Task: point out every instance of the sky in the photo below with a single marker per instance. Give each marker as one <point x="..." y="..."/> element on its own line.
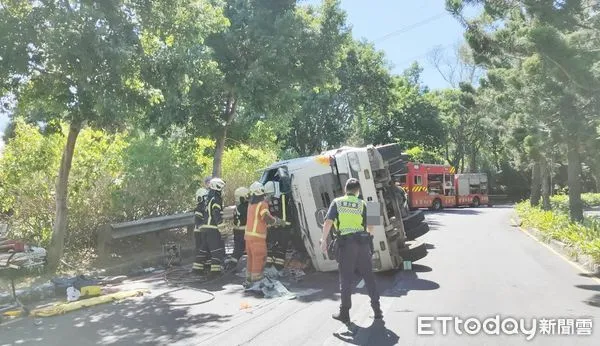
<point x="406" y="30"/>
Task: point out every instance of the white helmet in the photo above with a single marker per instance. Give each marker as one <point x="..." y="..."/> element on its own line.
<point x="241" y="192"/>
<point x="201" y="192"/>
<point x="216" y="184"/>
<point x="257" y="189"/>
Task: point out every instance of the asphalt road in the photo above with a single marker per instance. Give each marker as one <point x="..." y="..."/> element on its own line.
<point x="478" y="267"/>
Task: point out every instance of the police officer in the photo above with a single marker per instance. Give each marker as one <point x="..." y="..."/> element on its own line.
<point x="349" y="214"/>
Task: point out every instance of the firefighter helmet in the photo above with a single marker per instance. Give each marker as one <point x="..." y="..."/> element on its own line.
<point x="241" y="192"/>
<point x="216" y="184"/>
<point x="257" y="189"/>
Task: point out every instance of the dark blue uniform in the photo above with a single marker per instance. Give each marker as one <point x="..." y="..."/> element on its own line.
<point x="353" y="251"/>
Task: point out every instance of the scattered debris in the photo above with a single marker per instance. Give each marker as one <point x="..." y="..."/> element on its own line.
<point x="62" y="308"/>
<point x="271" y="272"/>
<point x="245" y="305"/>
<point x="270" y="288"/>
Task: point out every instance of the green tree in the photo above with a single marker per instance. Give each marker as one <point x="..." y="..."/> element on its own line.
<point x="329" y="113"/>
<point x="82" y="68"/>
<point x="559" y="40"/>
<point x="267" y="49"/>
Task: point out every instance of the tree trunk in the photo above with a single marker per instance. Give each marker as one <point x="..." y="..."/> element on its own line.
<point x="536" y="182"/>
<point x="473" y="161"/>
<point x="546" y="172"/>
<point x="230" y="110"/>
<point x="597" y="179"/>
<point x="219" y="150"/>
<point x="57" y="243"/>
<point x="574" y="181"/>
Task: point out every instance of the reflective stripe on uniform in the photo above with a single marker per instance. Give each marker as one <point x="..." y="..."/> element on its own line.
<point x="254" y="232"/>
<point x="350" y="214"/>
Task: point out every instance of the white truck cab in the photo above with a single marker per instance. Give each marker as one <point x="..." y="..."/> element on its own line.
<point x="315" y="181"/>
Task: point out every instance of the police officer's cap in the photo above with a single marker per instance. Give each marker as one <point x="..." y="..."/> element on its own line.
<point x="352" y="184"/>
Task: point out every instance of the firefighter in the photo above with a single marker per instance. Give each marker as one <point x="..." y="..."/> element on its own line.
<point x="278" y="238"/>
<point x="239" y="221"/>
<point x="353" y="250"/>
<point x="201" y="255"/>
<point x="256" y="233"/>
<point x="213" y="219"/>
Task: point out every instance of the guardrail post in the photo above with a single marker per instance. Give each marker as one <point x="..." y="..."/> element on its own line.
<point x="104" y="237"/>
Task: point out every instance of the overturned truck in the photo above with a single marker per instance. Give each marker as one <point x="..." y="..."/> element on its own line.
<point x="313" y="182"/>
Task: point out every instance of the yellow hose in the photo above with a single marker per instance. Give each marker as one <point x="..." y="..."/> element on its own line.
<point x="67" y="307"/>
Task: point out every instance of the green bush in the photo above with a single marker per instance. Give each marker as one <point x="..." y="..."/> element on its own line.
<point x="159" y="177"/>
<point x="113" y="178"/>
<point x="28" y="171"/>
<point x="556" y="225"/>
<point x="561" y="202"/>
<point x="241" y="164"/>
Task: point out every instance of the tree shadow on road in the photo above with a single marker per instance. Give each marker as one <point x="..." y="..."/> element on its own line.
<point x="151" y="321"/>
<point x="375" y="334"/>
<point x="593" y="300"/>
<point x="458" y="211"/>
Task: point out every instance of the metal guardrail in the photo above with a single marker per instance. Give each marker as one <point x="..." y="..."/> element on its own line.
<point x="145" y="226"/>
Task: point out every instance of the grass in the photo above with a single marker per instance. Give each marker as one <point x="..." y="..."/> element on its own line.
<point x="561" y="202"/>
<point x="555" y="224"/>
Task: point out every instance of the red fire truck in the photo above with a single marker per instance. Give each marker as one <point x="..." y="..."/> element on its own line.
<point x="438" y="186"/>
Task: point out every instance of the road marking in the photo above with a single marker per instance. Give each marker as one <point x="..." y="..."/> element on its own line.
<point x="574" y="264"/>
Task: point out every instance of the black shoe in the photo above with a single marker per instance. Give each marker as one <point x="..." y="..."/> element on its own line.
<point x="378" y="314"/>
<point x="342" y="316"/>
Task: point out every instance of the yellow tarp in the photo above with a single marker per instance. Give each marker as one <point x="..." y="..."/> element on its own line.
<point x="80" y="304"/>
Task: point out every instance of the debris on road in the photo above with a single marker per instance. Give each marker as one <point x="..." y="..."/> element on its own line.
<point x="62" y="308"/>
<point x="270" y="288"/>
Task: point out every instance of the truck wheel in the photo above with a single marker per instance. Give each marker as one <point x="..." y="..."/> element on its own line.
<point x="413" y="251"/>
<point x="476" y="202"/>
<point x="418" y="231"/>
<point x="413" y="220"/>
<point x="436" y="205"/>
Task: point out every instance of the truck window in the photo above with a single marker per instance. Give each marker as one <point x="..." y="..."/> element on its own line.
<point x="418" y="180"/>
<point x="448" y="185"/>
<point x="449" y="179"/>
<point x="325" y="188"/>
<point x="435" y="183"/>
<point x="402" y="179"/>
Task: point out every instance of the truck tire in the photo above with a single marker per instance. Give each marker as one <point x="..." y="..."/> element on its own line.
<point x="390" y="151"/>
<point x="418" y="231"/>
<point x="476" y="202"/>
<point x="413" y="220"/>
<point x="413" y="251"/>
<point x="436" y="205"/>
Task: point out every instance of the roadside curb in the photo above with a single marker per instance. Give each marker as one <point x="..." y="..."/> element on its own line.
<point x="567" y="251"/>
